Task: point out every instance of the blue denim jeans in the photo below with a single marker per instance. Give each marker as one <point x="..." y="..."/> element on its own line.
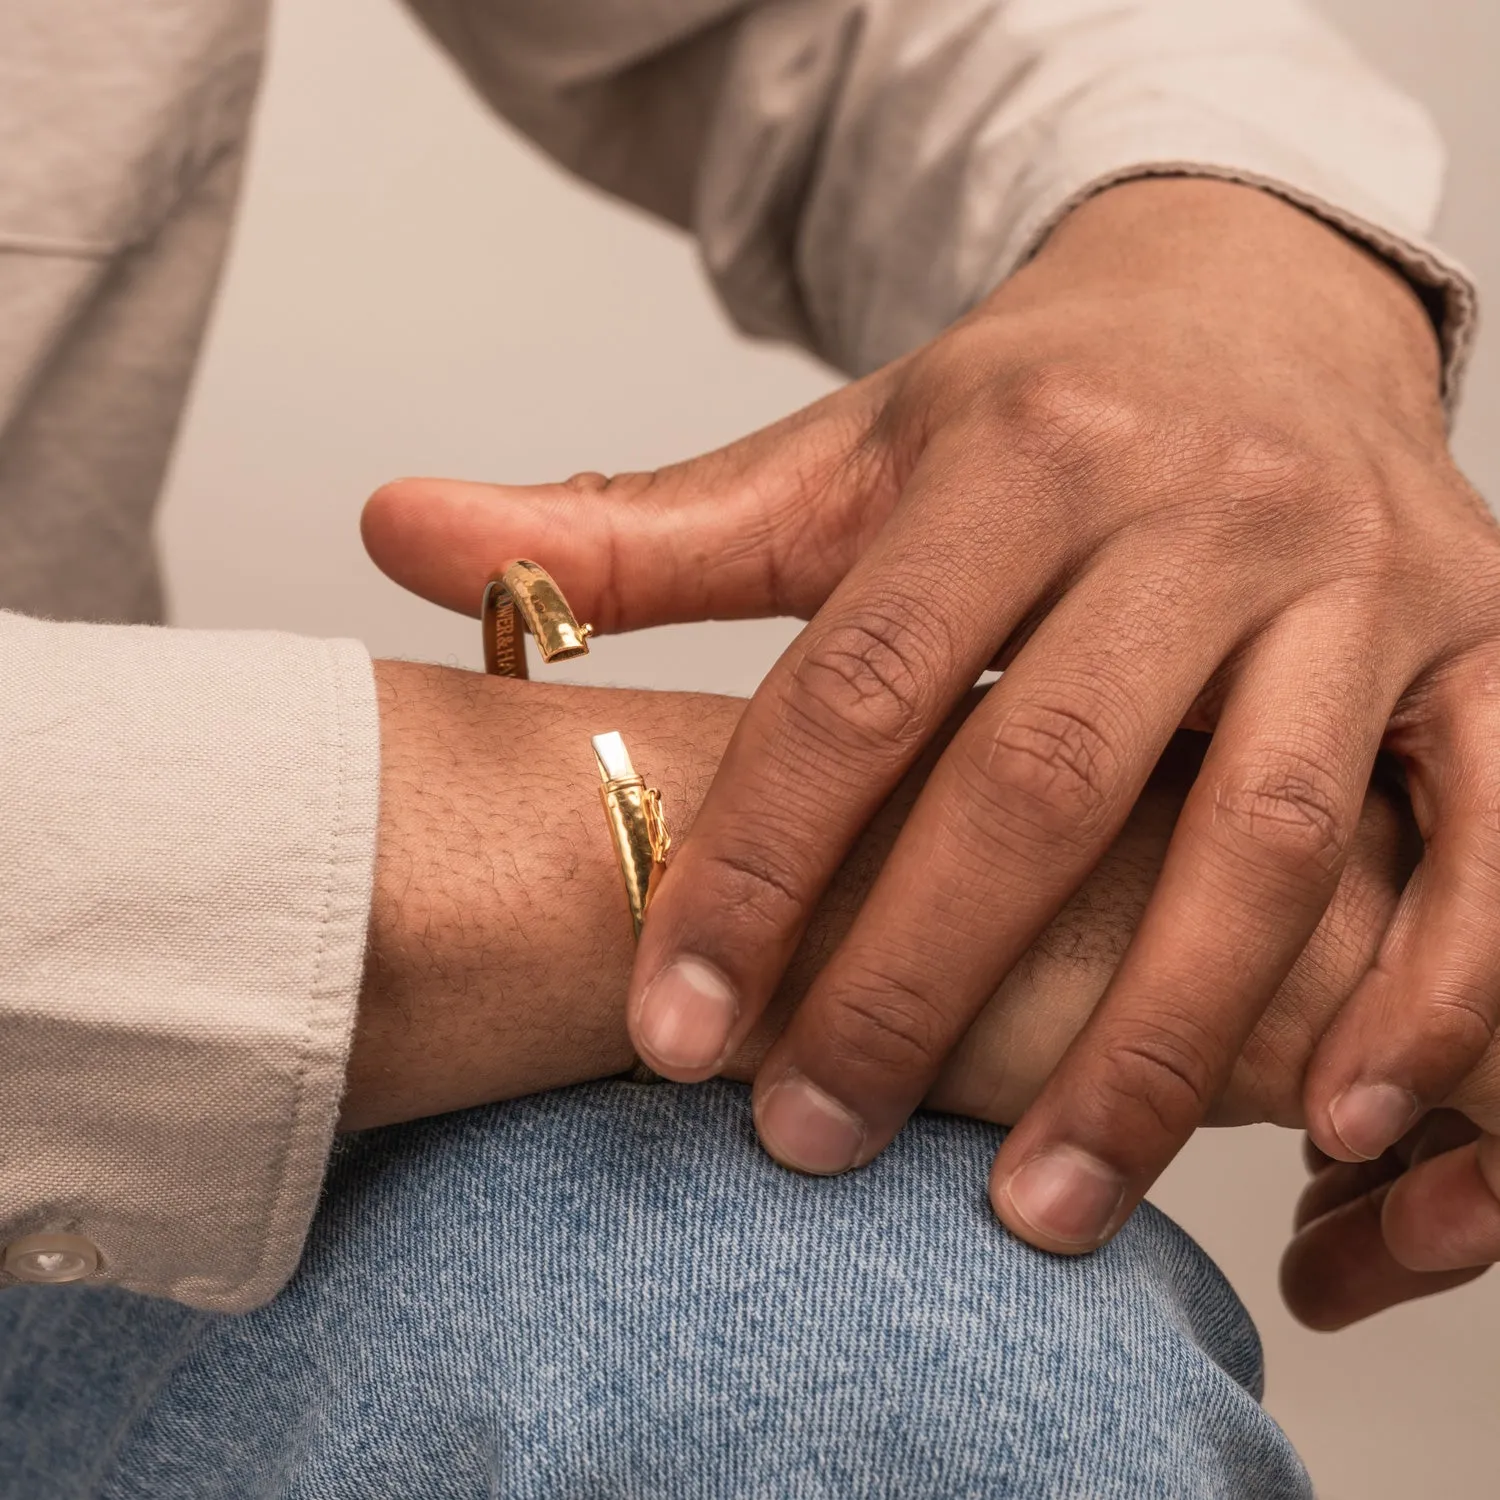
<point x="611" y="1292"/>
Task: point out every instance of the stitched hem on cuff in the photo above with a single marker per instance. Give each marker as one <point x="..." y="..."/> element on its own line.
<point x="333" y="998"/>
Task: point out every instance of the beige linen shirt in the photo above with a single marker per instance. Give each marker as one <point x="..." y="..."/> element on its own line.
<point x="187" y="820"/>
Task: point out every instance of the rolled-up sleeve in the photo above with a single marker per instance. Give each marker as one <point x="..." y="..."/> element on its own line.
<point x="185" y="870"/>
<point x="861" y="172"/>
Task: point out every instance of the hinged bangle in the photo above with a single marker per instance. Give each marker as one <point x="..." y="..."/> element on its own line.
<point x="524" y="597"/>
<point x="636" y="824"/>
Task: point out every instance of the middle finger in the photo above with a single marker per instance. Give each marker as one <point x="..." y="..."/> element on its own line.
<point x="1026" y="799"/>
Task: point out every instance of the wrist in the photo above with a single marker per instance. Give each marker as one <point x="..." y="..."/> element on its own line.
<point x="499" y="944"/>
<point x="500" y="941"/>
<point x="1221" y="250"/>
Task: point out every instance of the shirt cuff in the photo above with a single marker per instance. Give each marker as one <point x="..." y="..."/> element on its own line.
<point x="187" y="837"/>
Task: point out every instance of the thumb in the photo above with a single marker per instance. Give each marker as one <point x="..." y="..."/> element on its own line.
<point x="767" y="526"/>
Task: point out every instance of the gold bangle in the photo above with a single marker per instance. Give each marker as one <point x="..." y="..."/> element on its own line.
<point x="524" y="597"/>
<point x="636" y="824"/>
<point x="633" y="811"/>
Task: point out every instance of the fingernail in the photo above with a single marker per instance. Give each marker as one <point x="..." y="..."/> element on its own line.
<point x="686" y="1015"/>
<point x="1371" y="1117"/>
<point x="806" y="1129"/>
<point x="1067" y="1195"/>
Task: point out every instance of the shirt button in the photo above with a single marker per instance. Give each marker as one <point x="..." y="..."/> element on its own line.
<point x="51" y="1257"/>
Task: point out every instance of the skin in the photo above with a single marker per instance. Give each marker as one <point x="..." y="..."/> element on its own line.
<point x="500" y="948"/>
<point x="1189" y="466"/>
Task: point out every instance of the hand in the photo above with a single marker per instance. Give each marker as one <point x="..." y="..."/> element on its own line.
<point x="1188" y="465"/>
<point x="1422" y="1218"/>
<point x="500" y="949"/>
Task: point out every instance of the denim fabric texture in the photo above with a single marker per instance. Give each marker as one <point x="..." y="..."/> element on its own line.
<point x="611" y="1292"/>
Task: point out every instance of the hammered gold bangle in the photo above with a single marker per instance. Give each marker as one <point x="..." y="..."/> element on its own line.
<point x="524" y="598"/>
<point x="635" y="823"/>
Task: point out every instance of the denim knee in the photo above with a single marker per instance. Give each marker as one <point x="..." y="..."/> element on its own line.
<point x="611" y="1291"/>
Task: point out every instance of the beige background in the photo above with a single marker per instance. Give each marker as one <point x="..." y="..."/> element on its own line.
<point x="416" y="292"/>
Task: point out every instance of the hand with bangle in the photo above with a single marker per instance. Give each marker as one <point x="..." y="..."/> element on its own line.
<point x="1129" y="476"/>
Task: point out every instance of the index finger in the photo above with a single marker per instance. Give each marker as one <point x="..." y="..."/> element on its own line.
<point x="837" y="723"/>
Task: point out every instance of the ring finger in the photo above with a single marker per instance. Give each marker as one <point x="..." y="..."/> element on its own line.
<point x="1255" y="859"/>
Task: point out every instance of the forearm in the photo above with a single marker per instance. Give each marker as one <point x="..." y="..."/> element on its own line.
<point x="185" y="872"/>
<point x="500" y="945"/>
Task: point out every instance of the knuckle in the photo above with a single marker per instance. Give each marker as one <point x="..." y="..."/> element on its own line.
<point x="1063" y="398"/>
<point x="886" y="1024"/>
<point x="1048" y="768"/>
<point x="752" y="886"/>
<point x="1267" y="460"/>
<point x="587" y="482"/>
<point x="1249" y="477"/>
<point x="1460" y="1023"/>
<point x="1070" y="415"/>
<point x="1288" y="812"/>
<point x="1369" y="545"/>
<point x="863" y="685"/>
<point x="1263" y="477"/>
<point x="626" y="486"/>
<point x="1166" y="1073"/>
